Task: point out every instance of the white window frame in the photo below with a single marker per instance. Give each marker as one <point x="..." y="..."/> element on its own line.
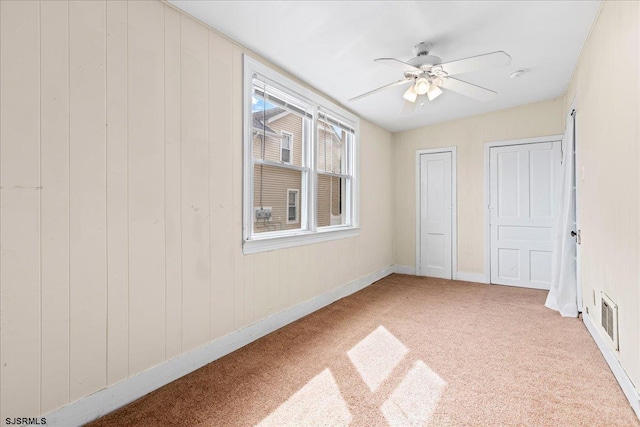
<point x="297" y="205"/>
<point x="309" y="232"/>
<point x="345" y="167"/>
<point x="290" y="135"/>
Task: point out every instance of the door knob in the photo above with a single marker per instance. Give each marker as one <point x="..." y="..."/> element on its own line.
<point x="573" y="233"/>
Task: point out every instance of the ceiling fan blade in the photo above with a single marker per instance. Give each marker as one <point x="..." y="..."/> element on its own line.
<point x="397" y="64"/>
<point x="371" y="92"/>
<point x="475" y="63"/>
<point x="468" y="89"/>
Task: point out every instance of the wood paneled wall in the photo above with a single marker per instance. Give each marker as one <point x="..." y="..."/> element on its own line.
<point x="608" y="154"/>
<point x="121" y="200"/>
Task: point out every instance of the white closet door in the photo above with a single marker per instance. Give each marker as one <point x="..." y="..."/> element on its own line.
<point x="435" y="215"/>
<point x="524" y="180"/>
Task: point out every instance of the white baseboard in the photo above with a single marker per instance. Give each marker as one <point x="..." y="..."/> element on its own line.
<point x="460" y="275"/>
<point x="404" y="269"/>
<point x="471" y="277"/>
<point x="111" y="398"/>
<point x="618" y="371"/>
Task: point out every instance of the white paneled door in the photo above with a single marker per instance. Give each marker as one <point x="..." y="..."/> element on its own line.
<point x="435" y="215"/>
<point x="524" y="181"/>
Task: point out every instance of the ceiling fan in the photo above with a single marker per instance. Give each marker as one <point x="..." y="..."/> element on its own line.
<point x="427" y="75"/>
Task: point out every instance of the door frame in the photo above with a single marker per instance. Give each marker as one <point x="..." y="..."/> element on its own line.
<point x="487" y="189"/>
<point x="578" y="179"/>
<point x="454" y="208"/>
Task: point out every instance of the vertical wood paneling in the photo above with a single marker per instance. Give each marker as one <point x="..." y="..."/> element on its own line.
<point x="311" y="271"/>
<point x="296" y="279"/>
<point x="300" y="282"/>
<point x="302" y="275"/>
<point x="121" y="200"/>
<point x="608" y="211"/>
<point x="173" y="236"/>
<point x="260" y="275"/>
<point x="20" y="131"/>
<point x="20" y="293"/>
<point x="273" y="281"/>
<point x="315" y="272"/>
<point x="238" y="288"/>
<point x="249" y="290"/>
<point x="220" y="98"/>
<point x="292" y="257"/>
<point x="350" y="272"/>
<point x="285" y="274"/>
<point x="237" y="165"/>
<point x="334" y="262"/>
<point x="88" y="299"/>
<point x="20" y="296"/>
<point x="117" y="208"/>
<point x="338" y="264"/>
<point x="146" y="185"/>
<point x="304" y="266"/>
<point x="195" y="184"/>
<point x="54" y="214"/>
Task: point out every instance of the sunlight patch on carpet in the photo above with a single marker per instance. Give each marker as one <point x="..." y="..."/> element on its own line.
<point x="376" y="356"/>
<point x="412" y="403"/>
<point x="318" y="403"/>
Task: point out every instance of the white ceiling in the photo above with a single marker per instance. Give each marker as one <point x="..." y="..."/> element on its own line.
<point x="331" y="45"/>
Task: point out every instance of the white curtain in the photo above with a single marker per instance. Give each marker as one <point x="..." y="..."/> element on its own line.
<point x="563" y="293"/>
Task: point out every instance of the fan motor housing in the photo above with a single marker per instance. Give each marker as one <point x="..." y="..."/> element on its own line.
<point x="423" y="60"/>
<point x="422" y="48"/>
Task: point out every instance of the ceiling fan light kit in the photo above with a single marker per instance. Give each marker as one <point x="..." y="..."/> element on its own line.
<point x="434" y="92"/>
<point x="422" y="84"/>
<point x="427" y="74"/>
<point x="410" y="95"/>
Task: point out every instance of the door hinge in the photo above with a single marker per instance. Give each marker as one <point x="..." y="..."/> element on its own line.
<point x="576" y="235"/>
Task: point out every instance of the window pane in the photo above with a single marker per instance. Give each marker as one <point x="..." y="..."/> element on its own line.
<point x="331" y="200"/>
<point x="286" y="155"/>
<point x="332" y="143"/>
<point x="269" y="122"/>
<point x="270" y="201"/>
<point x="286" y="141"/>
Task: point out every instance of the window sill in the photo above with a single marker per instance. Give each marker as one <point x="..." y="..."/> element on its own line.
<point x="257" y="245"/>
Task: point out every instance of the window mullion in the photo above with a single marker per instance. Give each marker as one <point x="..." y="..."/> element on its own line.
<point x="313" y="178"/>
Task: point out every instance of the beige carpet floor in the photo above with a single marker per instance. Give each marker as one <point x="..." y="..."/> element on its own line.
<point x="404" y="351"/>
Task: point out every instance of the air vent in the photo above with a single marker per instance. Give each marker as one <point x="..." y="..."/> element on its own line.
<point x="609" y="320"/>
